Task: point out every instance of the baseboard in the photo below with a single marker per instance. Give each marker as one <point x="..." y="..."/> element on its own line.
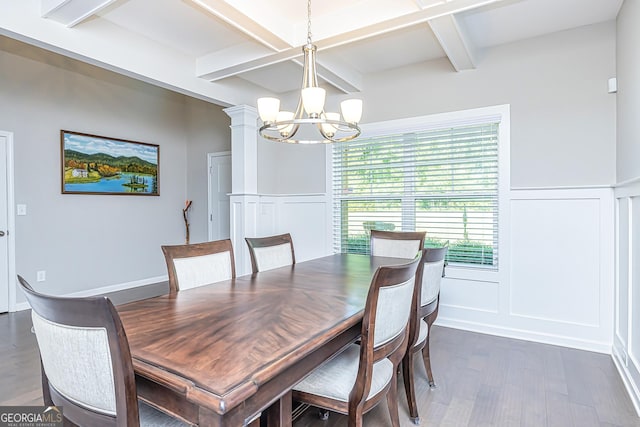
<point x="598" y="347"/>
<point x="20" y="306"/>
<point x="103" y="290"/>
<point x="627" y="379"/>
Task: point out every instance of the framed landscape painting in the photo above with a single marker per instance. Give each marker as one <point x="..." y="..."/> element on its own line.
<point x="94" y="164"/>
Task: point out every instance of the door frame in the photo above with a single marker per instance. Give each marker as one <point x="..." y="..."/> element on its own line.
<point x="210" y="157"/>
<point x="11" y="283"/>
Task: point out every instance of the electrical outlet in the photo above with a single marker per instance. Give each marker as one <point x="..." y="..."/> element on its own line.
<point x="41" y="276"/>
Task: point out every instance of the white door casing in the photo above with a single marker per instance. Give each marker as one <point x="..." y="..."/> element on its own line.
<point x="219" y="190"/>
<point x="7" y="238"/>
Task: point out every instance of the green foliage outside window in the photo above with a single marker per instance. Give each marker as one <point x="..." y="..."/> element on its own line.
<point x="466" y="252"/>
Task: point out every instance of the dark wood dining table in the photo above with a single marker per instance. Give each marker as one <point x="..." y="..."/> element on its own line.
<point x="220" y="354"/>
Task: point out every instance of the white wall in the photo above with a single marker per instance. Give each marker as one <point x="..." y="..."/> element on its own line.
<point x="88" y="242"/>
<point x="627" y="193"/>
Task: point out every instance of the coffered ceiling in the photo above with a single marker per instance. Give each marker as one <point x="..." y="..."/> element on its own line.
<point x="232" y="51"/>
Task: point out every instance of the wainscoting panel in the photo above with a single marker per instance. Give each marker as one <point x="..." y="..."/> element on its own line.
<point x="626" y="351"/>
<point x="459" y="295"/>
<point x="634" y="281"/>
<point x="555" y="282"/>
<point x="623" y="269"/>
<point x="306" y="217"/>
<point x="555" y="263"/>
<point x="244" y="222"/>
<point x="307" y="222"/>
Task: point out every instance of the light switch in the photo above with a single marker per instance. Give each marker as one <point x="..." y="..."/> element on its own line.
<point x="22" y="210"/>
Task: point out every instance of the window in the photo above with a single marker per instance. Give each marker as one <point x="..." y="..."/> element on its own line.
<point x="438" y="177"/>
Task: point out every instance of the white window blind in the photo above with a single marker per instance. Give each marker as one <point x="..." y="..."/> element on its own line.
<point x="442" y="181"/>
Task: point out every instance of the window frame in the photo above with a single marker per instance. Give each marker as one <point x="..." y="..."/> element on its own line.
<point x="499" y="114"/>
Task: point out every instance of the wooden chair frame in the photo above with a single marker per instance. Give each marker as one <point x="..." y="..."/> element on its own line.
<point x="265" y="242"/>
<point x="193" y="250"/>
<point x="92" y="312"/>
<point x="394" y="349"/>
<point x="430" y="312"/>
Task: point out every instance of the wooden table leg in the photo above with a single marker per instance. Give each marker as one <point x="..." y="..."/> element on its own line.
<point x="279" y="414"/>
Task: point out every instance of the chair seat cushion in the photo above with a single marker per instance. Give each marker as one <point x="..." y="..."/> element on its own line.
<point x="151" y="417"/>
<point x="336" y="378"/>
<point x="424" y="332"/>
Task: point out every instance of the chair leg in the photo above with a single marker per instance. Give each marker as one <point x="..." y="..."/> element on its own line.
<point x="355" y="418"/>
<point x="426" y="356"/>
<point x="392" y="401"/>
<point x="409" y="386"/>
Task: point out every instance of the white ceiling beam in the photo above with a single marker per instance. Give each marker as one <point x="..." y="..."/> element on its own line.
<point x="242" y="22"/>
<point x="333" y="71"/>
<point x="71" y="12"/>
<point x="221" y="69"/>
<point x="236" y="55"/>
<point x="208" y="69"/>
<point x="454" y="43"/>
<point x="338" y="74"/>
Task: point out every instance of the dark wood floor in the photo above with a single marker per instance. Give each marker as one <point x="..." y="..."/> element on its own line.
<point x="482" y="381"/>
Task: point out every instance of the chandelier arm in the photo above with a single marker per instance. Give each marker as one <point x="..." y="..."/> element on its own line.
<point x="275" y="128"/>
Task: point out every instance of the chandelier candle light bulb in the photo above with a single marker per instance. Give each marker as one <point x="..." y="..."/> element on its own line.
<point x="268" y="109"/>
<point x="318" y="126"/>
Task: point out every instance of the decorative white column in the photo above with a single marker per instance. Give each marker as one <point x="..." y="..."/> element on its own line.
<point x="244" y="182"/>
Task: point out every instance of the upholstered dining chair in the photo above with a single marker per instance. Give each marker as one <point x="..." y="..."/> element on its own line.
<point x="433" y="270"/>
<point x="270" y="252"/>
<point x="396" y="244"/>
<point x="190" y="266"/>
<point x="86" y="363"/>
<point x="359" y="377"/>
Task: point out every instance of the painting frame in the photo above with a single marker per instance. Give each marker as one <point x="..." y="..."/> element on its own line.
<point x="101" y="165"/>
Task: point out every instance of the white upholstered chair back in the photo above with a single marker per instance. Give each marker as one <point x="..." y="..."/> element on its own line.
<point x="271" y="257"/>
<point x="78" y="363"/>
<point x="202" y="270"/>
<point x="431" y="279"/>
<point x="393" y="310"/>
<point x="191" y="266"/>
<point x="394" y="248"/>
<point x="396" y="244"/>
<point x="270" y="252"/>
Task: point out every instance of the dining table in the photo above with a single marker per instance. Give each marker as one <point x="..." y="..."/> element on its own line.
<point x="225" y="353"/>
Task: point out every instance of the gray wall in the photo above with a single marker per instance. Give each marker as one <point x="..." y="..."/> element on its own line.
<point x="562" y="118"/>
<point x="208" y="132"/>
<point x="88" y="241"/>
<point x="290" y="168"/>
<point x="628" y="107"/>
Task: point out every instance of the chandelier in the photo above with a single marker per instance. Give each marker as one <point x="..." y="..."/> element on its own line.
<point x="318" y="126"/>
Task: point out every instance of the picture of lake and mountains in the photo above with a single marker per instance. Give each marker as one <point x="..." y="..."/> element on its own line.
<point x="94" y="164"/>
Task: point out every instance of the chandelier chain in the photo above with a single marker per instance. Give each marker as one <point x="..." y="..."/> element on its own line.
<point x="308" y="21"/>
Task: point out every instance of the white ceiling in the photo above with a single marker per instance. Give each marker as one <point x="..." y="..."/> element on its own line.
<point x="232" y="51"/>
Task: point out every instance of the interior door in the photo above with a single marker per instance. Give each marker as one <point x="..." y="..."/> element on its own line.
<point x="219" y="190"/>
<point x="4" y="225"/>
